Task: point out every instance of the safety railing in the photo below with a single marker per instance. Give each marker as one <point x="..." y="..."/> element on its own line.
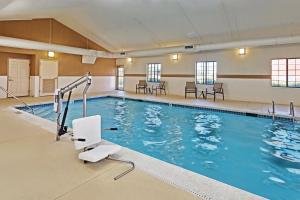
<point x="19" y="100"/>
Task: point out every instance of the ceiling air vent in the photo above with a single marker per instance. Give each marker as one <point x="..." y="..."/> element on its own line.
<point x="189" y="47"/>
<point x="122" y="53"/>
<point x="88" y="59"/>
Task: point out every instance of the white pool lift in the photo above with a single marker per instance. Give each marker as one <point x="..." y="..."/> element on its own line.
<point x="87" y="130"/>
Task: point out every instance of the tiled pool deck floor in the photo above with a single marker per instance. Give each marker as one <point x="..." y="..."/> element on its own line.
<point x="34" y="166"/>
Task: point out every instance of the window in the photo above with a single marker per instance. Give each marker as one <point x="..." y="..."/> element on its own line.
<point x="120" y="78"/>
<point x="206" y="72"/>
<point x="154" y="70"/>
<point x="286" y="72"/>
<point x="293" y="73"/>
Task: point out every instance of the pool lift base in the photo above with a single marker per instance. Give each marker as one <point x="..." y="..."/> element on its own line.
<point x="122" y="161"/>
<point x="110" y="158"/>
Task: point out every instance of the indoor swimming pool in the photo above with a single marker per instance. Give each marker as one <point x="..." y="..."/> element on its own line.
<point x="251" y="153"/>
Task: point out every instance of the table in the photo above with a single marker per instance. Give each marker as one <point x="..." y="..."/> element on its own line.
<point x="202" y="92"/>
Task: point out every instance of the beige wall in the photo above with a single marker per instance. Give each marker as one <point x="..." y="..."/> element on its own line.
<point x="50" y="30"/>
<point x="256" y="64"/>
<point x="70" y="66"/>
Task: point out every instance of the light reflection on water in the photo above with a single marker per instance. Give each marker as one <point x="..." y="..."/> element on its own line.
<point x="206" y="126"/>
<point x="283" y="141"/>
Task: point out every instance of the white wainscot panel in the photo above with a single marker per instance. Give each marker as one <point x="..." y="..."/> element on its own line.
<point x="3" y="83"/>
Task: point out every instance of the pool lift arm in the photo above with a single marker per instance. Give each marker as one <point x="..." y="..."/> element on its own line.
<point x="58" y="102"/>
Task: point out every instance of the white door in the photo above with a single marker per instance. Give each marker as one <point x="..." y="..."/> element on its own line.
<point x="48" y="77"/>
<point x="18" y="77"/>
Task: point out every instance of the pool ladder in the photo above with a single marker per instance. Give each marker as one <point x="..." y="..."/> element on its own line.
<point x="292" y="111"/>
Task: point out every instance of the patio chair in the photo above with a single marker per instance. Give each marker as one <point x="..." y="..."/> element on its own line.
<point x="161" y="87"/>
<point x="141" y="85"/>
<point x="217" y="89"/>
<point x="190" y="87"/>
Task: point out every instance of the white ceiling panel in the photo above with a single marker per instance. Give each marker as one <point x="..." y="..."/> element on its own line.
<point x="140" y="24"/>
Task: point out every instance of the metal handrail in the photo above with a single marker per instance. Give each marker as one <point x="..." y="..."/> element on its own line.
<point x="76" y="81"/>
<point x="16" y="98"/>
<point x="273" y="110"/>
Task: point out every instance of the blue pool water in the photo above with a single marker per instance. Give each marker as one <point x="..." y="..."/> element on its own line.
<point x="250" y="153"/>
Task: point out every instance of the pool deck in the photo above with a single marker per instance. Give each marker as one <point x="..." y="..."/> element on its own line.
<point x="34" y="166"/>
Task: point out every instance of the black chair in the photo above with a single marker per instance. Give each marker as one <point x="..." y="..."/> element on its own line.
<point x="190" y="87"/>
<point x="141" y="85"/>
<point x="161" y="87"/>
<point x="217" y="89"/>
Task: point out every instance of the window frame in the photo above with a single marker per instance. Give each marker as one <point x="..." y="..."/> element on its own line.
<point x="205" y="74"/>
<point x="286" y="73"/>
<point x="155" y="72"/>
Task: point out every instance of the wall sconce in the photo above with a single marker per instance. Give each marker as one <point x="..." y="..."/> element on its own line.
<point x="242" y="51"/>
<point x="51" y="54"/>
<point x="174" y="57"/>
<point x="129" y="60"/>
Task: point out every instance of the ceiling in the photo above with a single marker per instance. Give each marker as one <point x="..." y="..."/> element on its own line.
<point x="122" y="25"/>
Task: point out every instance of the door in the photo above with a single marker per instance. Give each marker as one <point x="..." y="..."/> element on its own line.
<point x="120" y="78"/>
<point x="48" y="77"/>
<point x="18" y="77"/>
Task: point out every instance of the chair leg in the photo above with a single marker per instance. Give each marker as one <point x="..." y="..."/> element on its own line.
<point x="223" y="96"/>
<point x="185" y="95"/>
<point x="196" y="95"/>
<point x="165" y="91"/>
<point x="214" y="96"/>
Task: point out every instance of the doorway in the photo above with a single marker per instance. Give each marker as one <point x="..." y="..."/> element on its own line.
<point x="48" y="77"/>
<point x="120" y="78"/>
<point x="18" y="77"/>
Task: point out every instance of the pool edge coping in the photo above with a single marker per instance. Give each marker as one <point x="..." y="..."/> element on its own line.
<point x="244" y="112"/>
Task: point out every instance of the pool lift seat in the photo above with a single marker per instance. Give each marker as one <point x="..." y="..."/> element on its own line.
<point x="87" y="137"/>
